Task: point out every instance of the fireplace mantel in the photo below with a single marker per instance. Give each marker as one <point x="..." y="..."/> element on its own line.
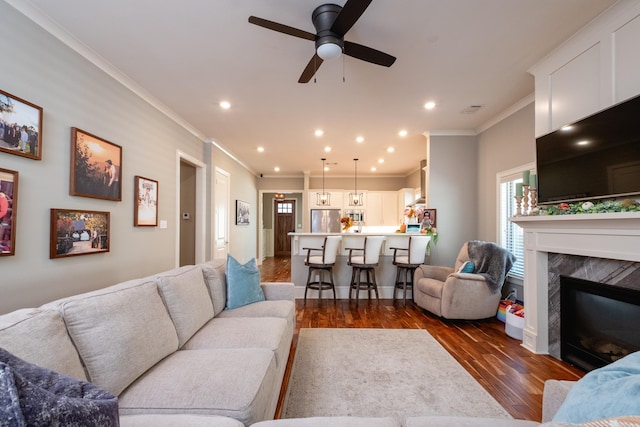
<point x="610" y="235"/>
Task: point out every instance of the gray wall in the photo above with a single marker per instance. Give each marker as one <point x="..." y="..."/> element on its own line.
<point x="506" y="145"/>
<point x="74" y="93"/>
<point x="452" y="191"/>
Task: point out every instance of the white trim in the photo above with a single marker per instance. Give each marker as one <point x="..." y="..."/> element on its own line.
<point x="529" y="99"/>
<point x="218" y="170"/>
<point x="201" y="196"/>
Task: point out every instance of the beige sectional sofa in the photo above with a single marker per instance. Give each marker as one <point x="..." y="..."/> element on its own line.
<point x="166" y="346"/>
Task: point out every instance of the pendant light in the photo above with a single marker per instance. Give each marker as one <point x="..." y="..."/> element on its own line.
<point x="324" y="198"/>
<point x="355" y="198"/>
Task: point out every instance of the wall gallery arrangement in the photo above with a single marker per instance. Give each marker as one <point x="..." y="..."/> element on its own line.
<point x="96" y="172"/>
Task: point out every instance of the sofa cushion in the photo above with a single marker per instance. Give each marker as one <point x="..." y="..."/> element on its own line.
<point x="187" y="299"/>
<point x="40" y="337"/>
<point x="267" y="332"/>
<point x="331" y="422"/>
<point x="236" y="383"/>
<point x="243" y="283"/>
<point x="31" y="395"/>
<point x="177" y="420"/>
<point x="610" y="391"/>
<point x="121" y="334"/>
<point x="215" y="277"/>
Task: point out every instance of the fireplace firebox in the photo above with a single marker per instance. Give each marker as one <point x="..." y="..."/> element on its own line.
<point x="598" y="323"/>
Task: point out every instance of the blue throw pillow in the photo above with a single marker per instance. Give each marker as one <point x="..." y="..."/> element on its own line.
<point x="610" y="391"/>
<point x="243" y="283"/>
<point x="467" y="267"/>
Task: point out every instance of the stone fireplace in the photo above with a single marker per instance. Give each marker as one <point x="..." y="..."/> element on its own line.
<point x="598" y="247"/>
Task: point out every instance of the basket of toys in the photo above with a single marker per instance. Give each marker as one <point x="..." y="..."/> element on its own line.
<point x="515" y="321"/>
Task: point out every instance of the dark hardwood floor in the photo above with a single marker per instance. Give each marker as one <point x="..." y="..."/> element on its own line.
<point x="511" y="374"/>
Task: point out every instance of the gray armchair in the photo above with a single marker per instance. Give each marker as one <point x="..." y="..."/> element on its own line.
<point x="448" y="293"/>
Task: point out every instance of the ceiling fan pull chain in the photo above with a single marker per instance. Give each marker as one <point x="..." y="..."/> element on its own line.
<point x="343" y="79"/>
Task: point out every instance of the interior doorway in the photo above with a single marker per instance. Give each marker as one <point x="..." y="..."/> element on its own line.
<point x="188" y="214"/>
<point x="221" y="193"/>
<point x="284" y="218"/>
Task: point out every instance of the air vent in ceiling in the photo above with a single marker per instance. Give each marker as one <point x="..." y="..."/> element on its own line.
<point x="471" y="109"/>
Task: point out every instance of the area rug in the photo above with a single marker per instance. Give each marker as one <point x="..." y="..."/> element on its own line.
<point x="381" y="372"/>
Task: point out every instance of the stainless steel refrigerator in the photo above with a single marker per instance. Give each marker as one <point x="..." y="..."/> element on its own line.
<point x="325" y="220"/>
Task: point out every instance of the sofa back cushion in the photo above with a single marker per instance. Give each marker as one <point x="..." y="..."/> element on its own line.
<point x="120" y="334"/>
<point x="216" y="279"/>
<point x="40" y="337"/>
<point x="186" y="296"/>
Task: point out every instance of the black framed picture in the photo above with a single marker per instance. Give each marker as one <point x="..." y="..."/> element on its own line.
<point x="243" y="210"/>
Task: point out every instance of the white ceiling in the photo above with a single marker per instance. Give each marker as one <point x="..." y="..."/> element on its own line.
<point x="187" y="55"/>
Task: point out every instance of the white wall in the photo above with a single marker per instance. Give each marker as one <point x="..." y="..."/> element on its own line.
<point x="74" y="93"/>
<point x="453" y="175"/>
<point x="505" y="145"/>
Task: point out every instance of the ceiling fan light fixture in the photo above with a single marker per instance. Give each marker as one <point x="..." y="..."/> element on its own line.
<point x="328" y="51"/>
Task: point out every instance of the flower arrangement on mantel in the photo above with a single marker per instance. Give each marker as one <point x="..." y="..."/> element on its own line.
<point x="607" y="206"/>
<point x="413" y="212"/>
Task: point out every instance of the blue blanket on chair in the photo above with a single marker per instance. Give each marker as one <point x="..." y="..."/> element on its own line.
<point x="492" y="261"/>
<point x="35" y="396"/>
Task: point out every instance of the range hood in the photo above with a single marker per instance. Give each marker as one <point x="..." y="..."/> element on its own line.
<point x="423" y="193"/>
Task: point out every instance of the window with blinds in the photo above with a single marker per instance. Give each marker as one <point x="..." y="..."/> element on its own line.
<point x="511" y="235"/>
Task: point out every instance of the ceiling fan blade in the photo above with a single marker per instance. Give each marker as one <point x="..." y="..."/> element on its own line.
<point x="310" y="69"/>
<point x="368" y="54"/>
<point x="350" y="13"/>
<point x="281" y="28"/>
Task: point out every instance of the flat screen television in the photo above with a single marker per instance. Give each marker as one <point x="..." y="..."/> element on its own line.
<point x="594" y="158"/>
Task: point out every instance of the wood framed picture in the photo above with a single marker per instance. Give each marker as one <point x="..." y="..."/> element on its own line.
<point x="75" y="232"/>
<point x="145" y="209"/>
<point x="429" y="215"/>
<point x="243" y="209"/>
<point x="20" y="127"/>
<point x="96" y="167"/>
<point x="8" y="211"/>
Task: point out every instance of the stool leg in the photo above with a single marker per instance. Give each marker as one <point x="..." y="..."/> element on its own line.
<point x="375" y="284"/>
<point x="357" y="290"/>
<point x="306" y="288"/>
<point x="320" y="280"/>
<point x="395" y="285"/>
<point x="333" y="286"/>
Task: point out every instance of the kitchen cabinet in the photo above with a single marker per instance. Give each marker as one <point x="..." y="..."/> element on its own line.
<point x="382" y="208"/>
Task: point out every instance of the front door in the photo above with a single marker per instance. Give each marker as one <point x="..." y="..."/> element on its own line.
<point x="284" y="222"/>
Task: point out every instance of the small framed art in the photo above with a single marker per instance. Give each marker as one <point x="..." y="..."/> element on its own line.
<point x="429" y="218"/>
<point x="20" y="127"/>
<point x="78" y="232"/>
<point x="145" y="210"/>
<point x="96" y="167"/>
<point x="243" y="210"/>
<point x="8" y="211"/>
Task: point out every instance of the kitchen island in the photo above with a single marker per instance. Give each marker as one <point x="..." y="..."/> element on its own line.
<point x="385" y="272"/>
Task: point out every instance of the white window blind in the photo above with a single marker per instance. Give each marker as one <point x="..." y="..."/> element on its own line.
<point x="511" y="235"/>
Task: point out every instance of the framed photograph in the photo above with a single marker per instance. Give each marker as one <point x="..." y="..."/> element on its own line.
<point x="243" y="209"/>
<point x="8" y="209"/>
<point x="429" y="215"/>
<point x="76" y="233"/>
<point x="145" y="203"/>
<point x="20" y="127"/>
<point x="96" y="167"/>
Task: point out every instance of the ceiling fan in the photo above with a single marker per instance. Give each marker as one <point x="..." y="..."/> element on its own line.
<point x="332" y="22"/>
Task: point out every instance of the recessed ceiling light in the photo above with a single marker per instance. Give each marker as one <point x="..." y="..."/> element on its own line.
<point x="381" y="160"/>
<point x="430" y="105"/>
<point x="225" y="105"/>
<point x="260" y="149"/>
<point x="390" y="150"/>
<point x="585" y="142"/>
<point x="403" y="133"/>
<point x="360" y="139"/>
<point x="319" y="132"/>
<point x="327" y="149"/>
<point x="277" y="169"/>
<point x="373" y="169"/>
<point x="326" y="168"/>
